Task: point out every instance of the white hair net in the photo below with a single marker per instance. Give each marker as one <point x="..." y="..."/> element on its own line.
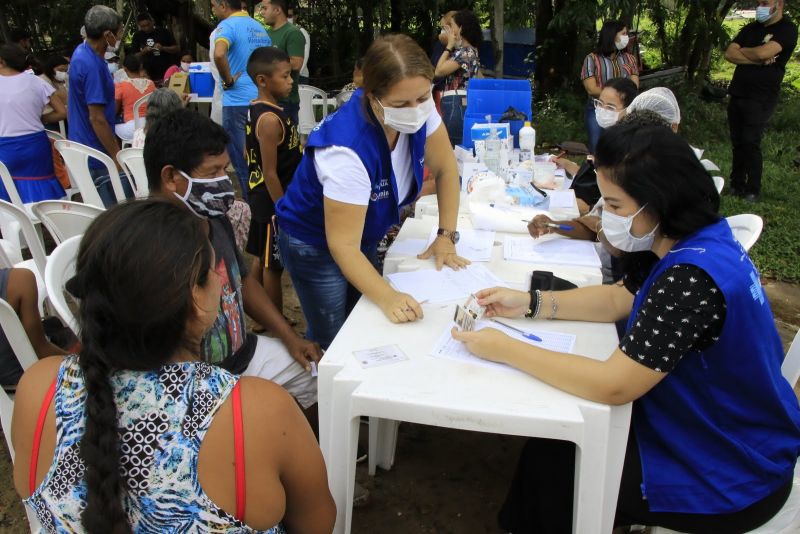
<point x="658" y="100"/>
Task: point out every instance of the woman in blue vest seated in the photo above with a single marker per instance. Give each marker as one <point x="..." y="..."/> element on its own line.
<point x="715" y="431"/>
<point x="359" y="167"/>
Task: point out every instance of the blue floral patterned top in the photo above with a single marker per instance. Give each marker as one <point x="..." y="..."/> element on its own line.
<point x="163" y="417"/>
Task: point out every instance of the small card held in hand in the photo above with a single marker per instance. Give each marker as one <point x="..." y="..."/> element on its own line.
<point x="468" y="314"/>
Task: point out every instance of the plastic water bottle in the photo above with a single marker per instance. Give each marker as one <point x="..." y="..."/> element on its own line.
<point x="491" y="157"/>
<point x="527" y="141"/>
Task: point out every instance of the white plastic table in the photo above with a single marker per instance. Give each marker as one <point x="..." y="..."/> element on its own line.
<point x="460" y="395"/>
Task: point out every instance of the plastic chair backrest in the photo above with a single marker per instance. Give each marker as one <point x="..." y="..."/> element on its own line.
<point x="138" y="118"/>
<point x="746" y="228"/>
<point x="26" y="356"/>
<point x="76" y="157"/>
<point x="60" y="268"/>
<point x="790" y="368"/>
<point x="719" y="183"/>
<point x="35" y="246"/>
<point x="55" y="136"/>
<point x="306" y="118"/>
<point x="11" y="187"/>
<point x="709" y="165"/>
<point x="132" y="162"/>
<point x="65" y="219"/>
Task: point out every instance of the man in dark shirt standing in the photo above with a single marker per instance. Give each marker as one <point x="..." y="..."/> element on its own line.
<point x="156" y="46"/>
<point x="760" y="52"/>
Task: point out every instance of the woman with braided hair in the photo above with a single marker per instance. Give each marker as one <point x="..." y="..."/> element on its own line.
<point x="136" y="433"/>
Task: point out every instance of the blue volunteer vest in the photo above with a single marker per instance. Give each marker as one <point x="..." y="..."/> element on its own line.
<point x="354" y="126"/>
<point x="722" y="430"/>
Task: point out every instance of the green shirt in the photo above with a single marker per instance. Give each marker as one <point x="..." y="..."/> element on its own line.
<point x="289" y="39"/>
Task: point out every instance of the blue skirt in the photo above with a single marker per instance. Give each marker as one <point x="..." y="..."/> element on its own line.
<point x="29" y="159"/>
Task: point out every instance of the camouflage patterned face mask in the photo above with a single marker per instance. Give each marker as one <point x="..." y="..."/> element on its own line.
<point x="208" y="197"/>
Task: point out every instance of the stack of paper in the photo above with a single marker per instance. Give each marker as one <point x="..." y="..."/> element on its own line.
<point x="474" y="245"/>
<point x="445" y="285"/>
<point x="553" y="251"/>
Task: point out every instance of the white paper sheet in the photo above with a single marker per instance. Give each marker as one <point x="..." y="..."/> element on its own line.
<point x="445" y="285"/>
<point x="408" y="247"/>
<point x="562" y="199"/>
<point x="379" y="356"/>
<point x="448" y="348"/>
<point x="475" y="245"/>
<point x="554" y="251"/>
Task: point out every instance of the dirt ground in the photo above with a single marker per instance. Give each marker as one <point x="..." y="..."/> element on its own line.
<point x="443" y="481"/>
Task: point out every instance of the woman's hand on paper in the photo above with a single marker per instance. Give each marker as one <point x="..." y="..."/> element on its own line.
<point x="504" y="302"/>
<point x="401" y="308"/>
<point x="444" y="251"/>
<point x="537" y="227"/>
<point x="487" y="343"/>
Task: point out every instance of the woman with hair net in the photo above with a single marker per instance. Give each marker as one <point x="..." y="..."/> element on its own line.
<point x="658" y="100"/>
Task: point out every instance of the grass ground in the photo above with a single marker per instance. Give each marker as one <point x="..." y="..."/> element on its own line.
<point x="704" y="125"/>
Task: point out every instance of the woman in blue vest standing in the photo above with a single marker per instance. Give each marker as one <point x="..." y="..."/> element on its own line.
<point x="359" y="167"/>
<point x="715" y="430"/>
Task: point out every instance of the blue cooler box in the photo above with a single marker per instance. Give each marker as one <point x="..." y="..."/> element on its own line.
<point x="486" y="96"/>
<point x="201" y="83"/>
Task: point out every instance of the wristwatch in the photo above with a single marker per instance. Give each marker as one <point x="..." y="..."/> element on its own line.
<point x="452" y="235"/>
<point x="228" y="85"/>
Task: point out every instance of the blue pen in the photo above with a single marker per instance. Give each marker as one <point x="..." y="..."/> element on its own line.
<point x="527" y="335"/>
<point x="565" y="227"/>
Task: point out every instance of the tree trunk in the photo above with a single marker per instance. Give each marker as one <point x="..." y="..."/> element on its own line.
<point x="396" y="19"/>
<point x="499" y="37"/>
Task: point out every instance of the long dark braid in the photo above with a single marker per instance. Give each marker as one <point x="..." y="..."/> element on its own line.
<point x="136" y="268"/>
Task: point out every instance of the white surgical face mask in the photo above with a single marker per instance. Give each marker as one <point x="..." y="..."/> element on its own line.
<point x="763" y="13"/>
<point x="407" y="120"/>
<point x="185" y="66"/>
<point x="291" y="20"/>
<point x="605" y="117"/>
<point x="622" y="43"/>
<point x="113" y="67"/>
<point x="61" y="76"/>
<point x="617" y="230"/>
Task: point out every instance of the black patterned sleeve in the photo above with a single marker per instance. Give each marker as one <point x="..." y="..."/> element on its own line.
<point x="684" y="311"/>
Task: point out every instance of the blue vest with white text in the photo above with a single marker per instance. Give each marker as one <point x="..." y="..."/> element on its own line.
<point x="354" y="126"/>
<point x="722" y="430"/>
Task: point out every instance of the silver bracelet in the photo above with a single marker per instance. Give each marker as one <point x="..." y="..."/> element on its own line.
<point x="538" y="304"/>
<point x="554" y="306"/>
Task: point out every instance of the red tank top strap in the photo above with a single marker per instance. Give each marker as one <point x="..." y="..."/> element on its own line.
<point x="238" y="450"/>
<point x="37" y="437"/>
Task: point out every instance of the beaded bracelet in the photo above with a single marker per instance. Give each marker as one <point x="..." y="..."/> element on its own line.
<point x="553" y="305"/>
<point x="535" y="304"/>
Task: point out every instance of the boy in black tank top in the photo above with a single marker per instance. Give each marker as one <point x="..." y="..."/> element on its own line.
<point x="273" y="153"/>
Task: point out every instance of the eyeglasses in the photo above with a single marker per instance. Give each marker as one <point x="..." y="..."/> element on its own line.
<point x="599" y="104"/>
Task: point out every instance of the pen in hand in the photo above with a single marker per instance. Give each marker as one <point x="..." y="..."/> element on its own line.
<point x="527" y="335"/>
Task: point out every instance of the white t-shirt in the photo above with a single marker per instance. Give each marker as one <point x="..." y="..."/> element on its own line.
<point x="306" y="52"/>
<point x="344" y="177"/>
<point x="23" y="98"/>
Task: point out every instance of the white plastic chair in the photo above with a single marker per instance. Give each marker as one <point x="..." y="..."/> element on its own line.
<point x="72" y="190"/>
<point x="76" y="157"/>
<point x="65" y="219"/>
<point x="8" y="227"/>
<point x="709" y="165"/>
<point x="307" y="120"/>
<point x="26" y="356"/>
<point x="21" y="345"/>
<point x="138" y="118"/>
<point x="719" y="183"/>
<point x="746" y="228"/>
<point x="132" y="162"/>
<point x="60" y="268"/>
<point x="35" y="246"/>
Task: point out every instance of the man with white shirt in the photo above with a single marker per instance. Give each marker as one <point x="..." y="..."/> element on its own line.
<point x="293" y="17"/>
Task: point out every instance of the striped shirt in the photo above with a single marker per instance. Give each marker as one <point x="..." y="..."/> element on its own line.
<point x="604" y="68"/>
